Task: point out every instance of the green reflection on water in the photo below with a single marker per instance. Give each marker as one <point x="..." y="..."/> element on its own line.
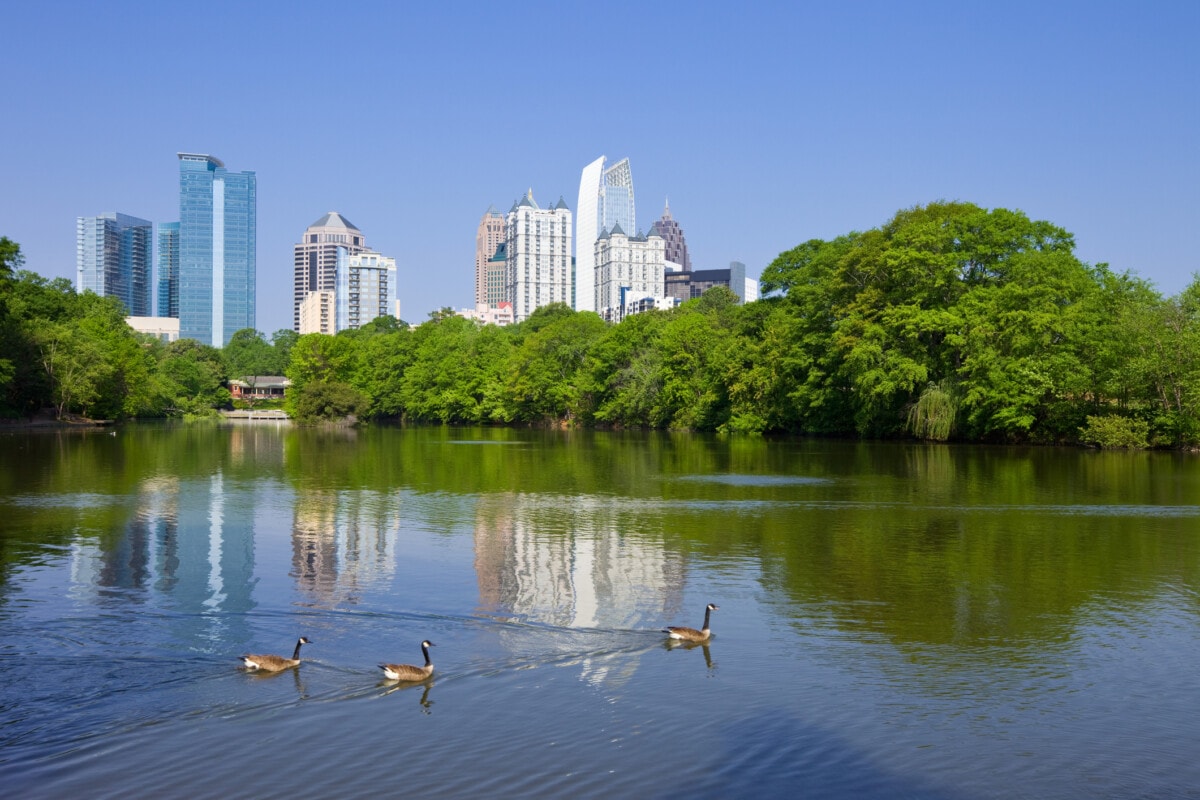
<point x="967" y="546"/>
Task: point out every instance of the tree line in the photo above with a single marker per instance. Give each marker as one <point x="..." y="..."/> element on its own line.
<point x="948" y="322"/>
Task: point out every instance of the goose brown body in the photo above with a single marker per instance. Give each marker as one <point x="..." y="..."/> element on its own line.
<point x="691" y="634"/>
<point x="410" y="672"/>
<point x="267" y="663"/>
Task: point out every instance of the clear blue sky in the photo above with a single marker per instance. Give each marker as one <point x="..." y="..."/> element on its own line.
<point x="766" y="124"/>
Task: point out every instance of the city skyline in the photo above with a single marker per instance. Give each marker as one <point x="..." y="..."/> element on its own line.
<point x="774" y="125"/>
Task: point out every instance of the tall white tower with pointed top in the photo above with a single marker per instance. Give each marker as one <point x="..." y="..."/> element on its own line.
<point x="605" y="200"/>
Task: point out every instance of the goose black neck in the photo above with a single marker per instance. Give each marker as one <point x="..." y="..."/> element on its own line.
<point x="296" y="654"/>
<point x="707" y="613"/>
<point x="425" y="650"/>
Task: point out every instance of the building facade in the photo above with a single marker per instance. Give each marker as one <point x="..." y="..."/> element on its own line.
<point x="499" y="314"/>
<point x="217" y="249"/>
<point x="314" y="259"/>
<point x="114" y="257"/>
<point x="496" y="278"/>
<point x="165" y="329"/>
<point x="605" y="199"/>
<point x="686" y="286"/>
<point x="538" y="256"/>
<point x="168" y="269"/>
<point x="627" y="266"/>
<point x="675" y="244"/>
<point x="317" y="313"/>
<point x="366" y="289"/>
<point x="488" y="237"/>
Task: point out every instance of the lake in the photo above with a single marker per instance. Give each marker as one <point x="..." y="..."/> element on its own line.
<point x="895" y="620"/>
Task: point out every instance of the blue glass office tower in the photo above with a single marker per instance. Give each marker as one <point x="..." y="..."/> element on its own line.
<point x="168" y="269"/>
<point x="216" y="249"/>
<point x="113" y="258"/>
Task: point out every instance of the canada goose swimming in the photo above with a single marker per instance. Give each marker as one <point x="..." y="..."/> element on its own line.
<point x="275" y="663"/>
<point x="408" y="672"/>
<point x="691" y="634"/>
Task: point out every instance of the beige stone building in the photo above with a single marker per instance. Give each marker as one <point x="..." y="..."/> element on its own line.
<point x="317" y="313"/>
<point x="488" y="237"/>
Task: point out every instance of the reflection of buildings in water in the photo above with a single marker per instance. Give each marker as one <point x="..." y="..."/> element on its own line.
<point x="567" y="563"/>
<point x="342" y="541"/>
<point x="257" y="444"/>
<point x="187" y="540"/>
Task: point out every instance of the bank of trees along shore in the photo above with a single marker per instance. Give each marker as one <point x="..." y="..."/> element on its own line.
<point x="948" y="322"/>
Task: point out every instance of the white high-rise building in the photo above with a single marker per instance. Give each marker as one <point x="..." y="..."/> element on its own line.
<point x="366" y="288"/>
<point x="605" y="200"/>
<point x="626" y="268"/>
<point x="538" y="255"/>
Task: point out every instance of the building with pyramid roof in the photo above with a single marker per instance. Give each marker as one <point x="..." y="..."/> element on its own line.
<point x="315" y="258"/>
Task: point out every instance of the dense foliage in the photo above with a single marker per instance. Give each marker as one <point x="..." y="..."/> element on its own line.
<point x="947" y="322"/>
<point x="73" y="353"/>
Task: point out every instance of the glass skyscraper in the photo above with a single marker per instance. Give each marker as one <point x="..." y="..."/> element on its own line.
<point x="168" y="269"/>
<point x="217" y="222"/>
<point x="113" y="258"/>
<point x="605" y="200"/>
<point x="366" y="288"/>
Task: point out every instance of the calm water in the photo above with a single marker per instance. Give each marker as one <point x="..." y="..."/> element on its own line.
<point x="895" y="621"/>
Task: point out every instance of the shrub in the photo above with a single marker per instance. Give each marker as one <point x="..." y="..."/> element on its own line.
<point x="1111" y="431"/>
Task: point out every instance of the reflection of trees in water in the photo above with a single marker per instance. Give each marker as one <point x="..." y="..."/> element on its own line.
<point x="974" y="547"/>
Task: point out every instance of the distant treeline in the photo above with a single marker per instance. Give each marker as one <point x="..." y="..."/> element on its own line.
<point x="949" y="322"/>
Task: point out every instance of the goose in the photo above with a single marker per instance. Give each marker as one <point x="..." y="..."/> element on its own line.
<point x="275" y="663"/>
<point x="408" y="672"/>
<point x="691" y="634"/>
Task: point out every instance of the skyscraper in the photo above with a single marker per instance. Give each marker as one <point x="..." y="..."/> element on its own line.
<point x="676" y="245"/>
<point x="114" y="258"/>
<point x="495" y="278"/>
<point x="366" y="289"/>
<point x="315" y="258"/>
<point x="168" y="269"/>
<point x="627" y="267"/>
<point x="217" y="243"/>
<point x="538" y="251"/>
<point x="488" y="237"/>
<point x="605" y="200"/>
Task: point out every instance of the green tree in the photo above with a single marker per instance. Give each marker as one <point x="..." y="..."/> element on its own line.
<point x="319" y="358"/>
<point x="72" y="364"/>
<point x="622" y="376"/>
<point x="248" y="354"/>
<point x="541" y="383"/>
<point x="10" y="261"/>
<point x="319" y="401"/>
<point x="283" y="340"/>
<point x="439" y="382"/>
<point x="989" y="306"/>
<point x="190" y="378"/>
